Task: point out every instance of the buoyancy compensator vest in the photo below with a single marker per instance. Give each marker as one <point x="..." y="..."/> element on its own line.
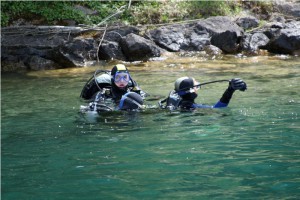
<point x="171" y="102"/>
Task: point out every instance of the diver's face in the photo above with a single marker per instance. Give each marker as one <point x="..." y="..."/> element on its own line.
<point x="121" y="79"/>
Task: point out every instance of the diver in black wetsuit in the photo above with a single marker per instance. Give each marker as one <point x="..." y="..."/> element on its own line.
<point x="185" y="93"/>
<point x="121" y="83"/>
<point x="118" y="86"/>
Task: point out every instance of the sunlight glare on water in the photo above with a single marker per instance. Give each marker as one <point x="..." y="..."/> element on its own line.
<point x="249" y="150"/>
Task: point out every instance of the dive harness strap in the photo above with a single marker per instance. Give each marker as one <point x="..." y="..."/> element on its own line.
<point x="183" y="90"/>
<point x="95" y="78"/>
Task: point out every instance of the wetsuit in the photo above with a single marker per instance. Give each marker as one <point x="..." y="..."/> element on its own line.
<point x="222" y="103"/>
<point x="187" y="101"/>
<point x="116" y="93"/>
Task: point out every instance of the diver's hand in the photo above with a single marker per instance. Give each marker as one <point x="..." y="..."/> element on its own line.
<point x="234" y="84"/>
<point x="237" y="84"/>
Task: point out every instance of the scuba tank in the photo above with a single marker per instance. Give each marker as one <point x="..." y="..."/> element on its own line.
<point x="95" y="84"/>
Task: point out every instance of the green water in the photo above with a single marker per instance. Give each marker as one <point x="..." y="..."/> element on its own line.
<point x="250" y="150"/>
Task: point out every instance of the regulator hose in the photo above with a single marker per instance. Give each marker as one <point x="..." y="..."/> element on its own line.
<point x="205" y="83"/>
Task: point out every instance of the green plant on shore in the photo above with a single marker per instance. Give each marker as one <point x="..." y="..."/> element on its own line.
<point x="213" y="8"/>
<point x="43" y="11"/>
<point x="140" y="12"/>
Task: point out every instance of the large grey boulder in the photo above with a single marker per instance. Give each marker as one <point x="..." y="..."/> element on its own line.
<point x="289" y="8"/>
<point x="110" y="48"/>
<point x="225" y="34"/>
<point x="137" y="48"/>
<point x="286" y="40"/>
<point x="75" y="53"/>
<point x="38" y="63"/>
<point x="247" y="22"/>
<point x="179" y="37"/>
<point x="196" y="41"/>
<point x="117" y="34"/>
<point x="31" y="47"/>
<point x="251" y="43"/>
<point x="170" y="37"/>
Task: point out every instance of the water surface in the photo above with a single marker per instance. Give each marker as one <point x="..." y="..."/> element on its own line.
<point x="250" y="150"/>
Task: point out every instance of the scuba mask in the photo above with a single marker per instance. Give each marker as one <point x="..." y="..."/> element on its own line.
<point x="121" y="79"/>
<point x="121" y="76"/>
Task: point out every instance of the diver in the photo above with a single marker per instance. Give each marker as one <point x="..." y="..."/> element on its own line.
<point x="122" y="83"/>
<point x="185" y="93"/>
<point x="116" y="85"/>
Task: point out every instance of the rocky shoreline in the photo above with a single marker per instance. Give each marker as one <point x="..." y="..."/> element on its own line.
<point x="54" y="47"/>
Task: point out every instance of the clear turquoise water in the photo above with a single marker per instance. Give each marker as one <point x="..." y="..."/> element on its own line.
<point x="250" y="150"/>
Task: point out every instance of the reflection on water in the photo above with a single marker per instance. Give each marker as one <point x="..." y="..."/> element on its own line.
<point x="251" y="149"/>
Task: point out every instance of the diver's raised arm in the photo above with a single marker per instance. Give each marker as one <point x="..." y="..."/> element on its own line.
<point x="234" y="84"/>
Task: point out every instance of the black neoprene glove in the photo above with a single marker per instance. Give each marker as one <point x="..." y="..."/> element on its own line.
<point x="234" y="84"/>
<point x="237" y="84"/>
